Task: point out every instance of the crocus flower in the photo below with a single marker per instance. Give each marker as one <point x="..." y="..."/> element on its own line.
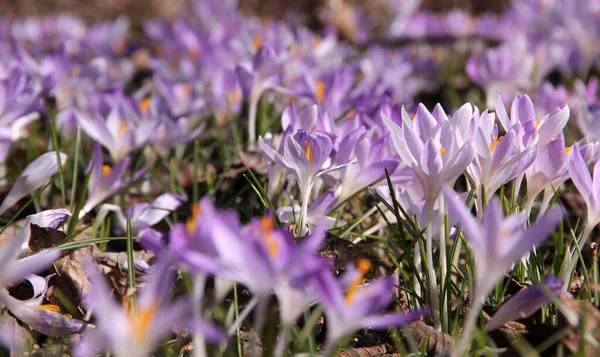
<point x="264" y="73"/>
<point x="138" y="335"/>
<point x="497" y="243"/>
<point x="46" y="319"/>
<point x="507" y="68"/>
<point x="434" y="150"/>
<point x="33" y="177"/>
<point x="588" y="186"/>
<point x="120" y="133"/>
<point x="142" y="216"/>
<point x="371" y="158"/>
<point x="305" y="154"/>
<point x="525" y="303"/>
<point x="498" y="159"/>
<point x="349" y="305"/>
<point x="105" y="181"/>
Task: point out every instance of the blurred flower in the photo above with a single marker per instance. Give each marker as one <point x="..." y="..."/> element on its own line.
<point x="137" y="334"/>
<point x="525" y="303"/>
<point x="105" y="181"/>
<point x="507" y="68"/>
<point x="33" y="177"/>
<point x="349" y="305"/>
<point x="121" y="133"/>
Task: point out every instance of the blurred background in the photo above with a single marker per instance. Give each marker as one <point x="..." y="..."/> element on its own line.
<point x="140" y="10"/>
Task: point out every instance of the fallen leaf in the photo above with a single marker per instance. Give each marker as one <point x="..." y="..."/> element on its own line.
<point x="44" y="237"/>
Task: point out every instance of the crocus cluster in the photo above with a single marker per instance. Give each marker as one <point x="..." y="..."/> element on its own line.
<point x="107" y="136"/>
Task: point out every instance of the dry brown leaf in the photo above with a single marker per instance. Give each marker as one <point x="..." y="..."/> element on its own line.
<point x="43" y="237"/>
<point x="374" y="351"/>
<point x="437" y="341"/>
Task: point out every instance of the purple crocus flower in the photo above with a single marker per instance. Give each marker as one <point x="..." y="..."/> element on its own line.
<point x="46" y="319"/>
<point x="264" y="73"/>
<point x="142" y="216"/>
<point x="138" y="334"/>
<point x="121" y="133"/>
<point x="525" y="303"/>
<point x="349" y="305"/>
<point x="305" y="155"/>
<point x="497" y="243"/>
<point x="432" y="148"/>
<point x="105" y="180"/>
<point x="372" y="161"/>
<point x="498" y="159"/>
<point x="507" y="68"/>
<point x="589" y="187"/>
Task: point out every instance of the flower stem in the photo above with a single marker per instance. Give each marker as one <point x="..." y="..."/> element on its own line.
<point x="430" y="271"/>
<point x="443" y="263"/>
<point x="198" y="294"/>
<point x="282" y="338"/>
<point x="467" y="336"/>
<point x="571" y="258"/>
<point x="252" y="119"/>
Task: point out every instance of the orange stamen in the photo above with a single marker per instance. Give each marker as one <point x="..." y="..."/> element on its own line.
<point x="142" y="321"/>
<point x="191" y="223"/>
<point x="494" y="143"/>
<point x="320" y="91"/>
<point x="363" y="266"/>
<point x="257" y="41"/>
<point x="106" y="169"/>
<point x="49" y="307"/>
<point x="145" y="105"/>
<point x="442" y="151"/>
<point x="266" y="224"/>
<point x="308" y="152"/>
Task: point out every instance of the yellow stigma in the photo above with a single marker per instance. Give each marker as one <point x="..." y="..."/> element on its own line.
<point x="266" y="224"/>
<point x="145" y="105"/>
<point x="411" y="116"/>
<point x="122" y="129"/>
<point x="442" y="151"/>
<point x="494" y="143"/>
<point x="537" y="124"/>
<point x="106" y="169"/>
<point x="363" y="265"/>
<point x="308" y="152"/>
<point x="234" y="96"/>
<point x="185" y="90"/>
<point x="257" y="41"/>
<point x="191" y="224"/>
<point x="351" y="113"/>
<point x="568" y="148"/>
<point x="142" y="321"/>
<point x="320" y="91"/>
<point x="49" y="307"/>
